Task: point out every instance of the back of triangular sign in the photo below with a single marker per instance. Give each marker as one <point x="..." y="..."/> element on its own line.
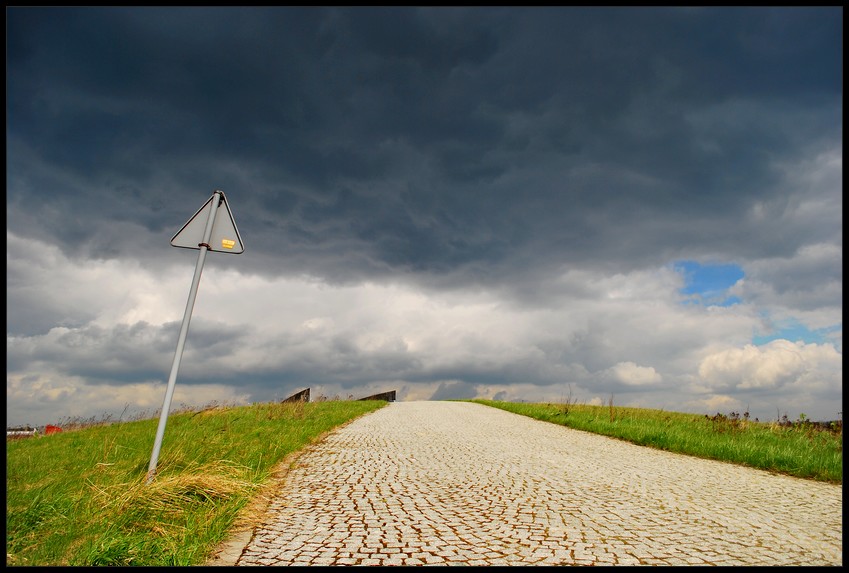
<point x="225" y="235"/>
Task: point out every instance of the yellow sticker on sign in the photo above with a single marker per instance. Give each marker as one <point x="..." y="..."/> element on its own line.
<point x="227" y="244"/>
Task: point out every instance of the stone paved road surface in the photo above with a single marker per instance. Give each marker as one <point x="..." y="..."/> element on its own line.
<point x="451" y="483"/>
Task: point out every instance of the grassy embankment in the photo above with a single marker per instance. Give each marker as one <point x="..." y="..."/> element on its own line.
<point x="80" y="498"/>
<point x="801" y="448"/>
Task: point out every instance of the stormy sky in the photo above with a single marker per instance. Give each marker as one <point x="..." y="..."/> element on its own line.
<point x="639" y="205"/>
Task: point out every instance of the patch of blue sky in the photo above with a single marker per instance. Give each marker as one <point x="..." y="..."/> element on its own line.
<point x="708" y="284"/>
<point x="795" y="331"/>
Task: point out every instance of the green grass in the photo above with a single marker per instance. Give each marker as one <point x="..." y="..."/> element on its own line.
<point x="80" y="497"/>
<point x="801" y="449"/>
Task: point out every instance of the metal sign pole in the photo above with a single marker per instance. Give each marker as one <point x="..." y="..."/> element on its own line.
<point x="181" y="341"/>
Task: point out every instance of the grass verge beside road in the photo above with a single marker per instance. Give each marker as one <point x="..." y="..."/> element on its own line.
<point x="80" y="498"/>
<point x="801" y="448"/>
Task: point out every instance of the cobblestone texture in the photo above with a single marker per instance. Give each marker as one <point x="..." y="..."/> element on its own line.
<point x="454" y="483"/>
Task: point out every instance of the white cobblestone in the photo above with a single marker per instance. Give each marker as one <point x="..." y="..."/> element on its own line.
<point x="442" y="483"/>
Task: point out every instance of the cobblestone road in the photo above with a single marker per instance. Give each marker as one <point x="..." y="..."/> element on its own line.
<point x="453" y="483"/>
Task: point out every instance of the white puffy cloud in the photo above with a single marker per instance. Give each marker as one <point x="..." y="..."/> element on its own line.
<point x="45" y="288"/>
<point x="777" y="364"/>
<point x="631" y="374"/>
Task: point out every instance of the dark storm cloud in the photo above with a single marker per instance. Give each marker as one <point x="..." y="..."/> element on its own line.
<point x="458" y="202"/>
<point x="128" y="353"/>
<point x="448" y="145"/>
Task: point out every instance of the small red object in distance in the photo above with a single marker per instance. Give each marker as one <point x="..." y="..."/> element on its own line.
<point x="51" y="430"/>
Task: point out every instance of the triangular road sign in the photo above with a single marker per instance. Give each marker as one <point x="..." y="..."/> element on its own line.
<point x="225" y="236"/>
